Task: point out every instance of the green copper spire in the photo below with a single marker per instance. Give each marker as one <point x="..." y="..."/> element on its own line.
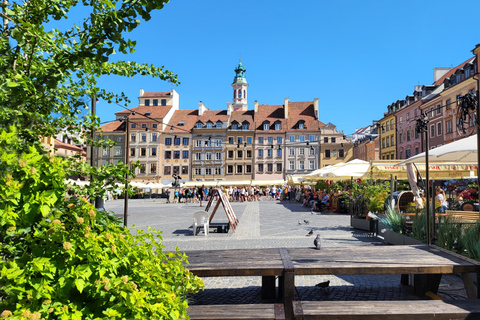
<point x="240" y="74"/>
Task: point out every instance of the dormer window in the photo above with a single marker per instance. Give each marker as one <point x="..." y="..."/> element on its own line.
<point x="467" y="72"/>
<point x="209" y="125"/>
<point x="301" y="124"/>
<point x="266" y="126"/>
<point x="198" y="125"/>
<point x="245" y="126"/>
<point x="147" y="114"/>
<point x="147" y="102"/>
<point x="234" y="126"/>
<point x="181" y="124"/>
<point x="459" y="78"/>
<point x="278" y="126"/>
<point x="219" y="124"/>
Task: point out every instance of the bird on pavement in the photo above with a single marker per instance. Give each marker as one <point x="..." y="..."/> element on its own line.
<point x="317" y="242"/>
<point x="299" y="223"/>
<point x="306" y="221"/>
<point x="310" y="233"/>
<point x="324" y="284"/>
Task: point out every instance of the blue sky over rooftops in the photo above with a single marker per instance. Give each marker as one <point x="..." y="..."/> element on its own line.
<point x="357" y="57"/>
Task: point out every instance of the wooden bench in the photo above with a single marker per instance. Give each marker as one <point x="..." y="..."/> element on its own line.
<point x="470" y="216"/>
<point x="272" y="311"/>
<point x="404" y="309"/>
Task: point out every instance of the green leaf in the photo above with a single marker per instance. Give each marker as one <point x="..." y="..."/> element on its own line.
<point x="80" y="284"/>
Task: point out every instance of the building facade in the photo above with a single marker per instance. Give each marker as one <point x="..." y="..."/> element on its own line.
<point x="336" y="147"/>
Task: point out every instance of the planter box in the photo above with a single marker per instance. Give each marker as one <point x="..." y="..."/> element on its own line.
<point x="364" y="224"/>
<point x="399" y="239"/>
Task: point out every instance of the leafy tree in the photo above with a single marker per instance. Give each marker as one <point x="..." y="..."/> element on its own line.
<point x="61" y="258"/>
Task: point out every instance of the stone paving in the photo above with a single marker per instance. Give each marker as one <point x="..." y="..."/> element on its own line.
<point x="271" y="224"/>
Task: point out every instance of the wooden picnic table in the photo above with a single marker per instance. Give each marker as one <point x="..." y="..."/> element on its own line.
<point x="426" y="263"/>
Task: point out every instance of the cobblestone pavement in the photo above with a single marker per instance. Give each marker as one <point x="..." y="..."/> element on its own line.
<point x="271" y="224"/>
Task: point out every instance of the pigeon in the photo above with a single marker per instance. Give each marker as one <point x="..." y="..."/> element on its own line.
<point x="299" y="223"/>
<point x="324" y="284"/>
<point x="310" y="233"/>
<point x="306" y="221"/>
<point x="317" y="242"/>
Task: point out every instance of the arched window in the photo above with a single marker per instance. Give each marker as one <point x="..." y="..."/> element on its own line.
<point x="234" y="94"/>
<point x="245" y="94"/>
<point x="239" y="93"/>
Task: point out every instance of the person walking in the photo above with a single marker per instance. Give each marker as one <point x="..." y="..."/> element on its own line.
<point x="201" y="194"/>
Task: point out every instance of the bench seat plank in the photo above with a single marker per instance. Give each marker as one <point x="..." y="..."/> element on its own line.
<point x="372" y="310"/>
<point x="418" y="259"/>
<point x="237" y="312"/>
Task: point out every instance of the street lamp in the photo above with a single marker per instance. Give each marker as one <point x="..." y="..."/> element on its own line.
<point x="422" y="127"/>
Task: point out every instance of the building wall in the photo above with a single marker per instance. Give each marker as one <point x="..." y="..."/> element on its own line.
<point x="263" y="162"/>
<point x="388" y="137"/>
<point x="239" y="155"/>
<point x="408" y="141"/>
<point x="335" y="146"/>
<point x="204" y="169"/>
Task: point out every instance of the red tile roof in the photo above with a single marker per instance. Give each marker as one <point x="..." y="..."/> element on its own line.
<point x="449" y="73"/>
<point x="189" y="118"/>
<point x="156" y="95"/>
<point x="271" y="113"/>
<point x="113" y="126"/>
<point x="156" y="112"/>
<point x="214" y="116"/>
<point x="241" y="116"/>
<point x="302" y="111"/>
<point x="61" y="145"/>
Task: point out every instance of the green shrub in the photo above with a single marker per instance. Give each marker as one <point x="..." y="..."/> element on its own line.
<point x="394" y="220"/>
<point x="63" y="259"/>
<point x="471" y="241"/>
<point x="419" y="226"/>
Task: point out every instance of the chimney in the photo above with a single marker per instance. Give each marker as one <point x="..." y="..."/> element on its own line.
<point x="256" y="106"/>
<point x="201" y="108"/>
<point x="142" y="92"/>
<point x="315" y="107"/>
<point x="286" y="101"/>
<point x="229" y="108"/>
<point x="439" y="72"/>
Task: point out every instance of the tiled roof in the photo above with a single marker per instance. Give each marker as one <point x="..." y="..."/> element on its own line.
<point x="271" y="113"/>
<point x="449" y="73"/>
<point x="156" y="112"/>
<point x="302" y="111"/>
<point x="61" y="145"/>
<point x="156" y="95"/>
<point x="114" y="126"/>
<point x="214" y="116"/>
<point x="188" y="117"/>
<point x="241" y="116"/>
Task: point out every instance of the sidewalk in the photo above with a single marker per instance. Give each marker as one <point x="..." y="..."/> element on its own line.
<point x="271" y="224"/>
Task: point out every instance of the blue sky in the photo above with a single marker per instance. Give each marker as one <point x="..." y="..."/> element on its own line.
<point x="357" y="57"/>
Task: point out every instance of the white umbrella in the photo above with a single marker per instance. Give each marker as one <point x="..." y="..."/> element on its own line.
<point x="412" y="179"/>
<point x="77" y="182"/>
<point x="464" y="150"/>
<point x="354" y="168"/>
<point x="323" y="172"/>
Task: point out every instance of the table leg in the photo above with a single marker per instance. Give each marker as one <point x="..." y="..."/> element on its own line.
<point x="268" y="287"/>
<point x="470" y="285"/>
<point x="288" y="290"/>
<point x="426" y="282"/>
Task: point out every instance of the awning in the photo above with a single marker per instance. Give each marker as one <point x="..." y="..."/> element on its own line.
<point x="235" y="183"/>
<point x="277" y="182"/>
<point x="437" y="171"/>
<point x="199" y="184"/>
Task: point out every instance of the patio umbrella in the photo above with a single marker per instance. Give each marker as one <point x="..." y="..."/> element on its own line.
<point x="412" y="179"/>
<point x="354" y="168"/>
<point x="464" y="150"/>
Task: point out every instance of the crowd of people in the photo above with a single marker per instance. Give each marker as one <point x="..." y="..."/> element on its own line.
<point x="316" y="200"/>
<point x="234" y="193"/>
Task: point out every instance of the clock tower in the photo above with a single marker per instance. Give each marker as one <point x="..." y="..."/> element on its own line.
<point x="240" y="86"/>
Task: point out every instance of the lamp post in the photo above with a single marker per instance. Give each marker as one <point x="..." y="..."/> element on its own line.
<point x="125" y="207"/>
<point x="422" y="128"/>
